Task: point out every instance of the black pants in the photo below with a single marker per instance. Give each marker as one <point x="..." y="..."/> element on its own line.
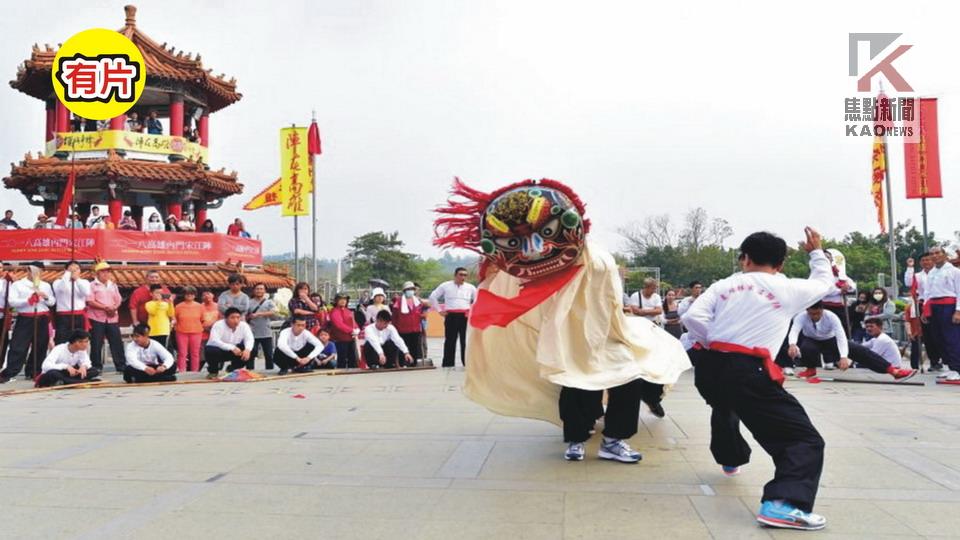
<point x="217" y="358"/>
<point x="931" y="344"/>
<point x="580" y="409"/>
<point x="783" y="359"/>
<point x="4" y="340"/>
<point x="346" y="354"/>
<point x="110" y="331"/>
<point x="372" y="357"/>
<point x="28" y="346"/>
<point x="265" y="343"/>
<point x="56" y="377"/>
<point x="285" y="362"/>
<point x="812" y="349"/>
<point x="738" y="390"/>
<point x="454" y="326"/>
<point x="413" y="341"/>
<point x="134" y="375"/>
<point x="915" y="359"/>
<point x="65" y="325"/>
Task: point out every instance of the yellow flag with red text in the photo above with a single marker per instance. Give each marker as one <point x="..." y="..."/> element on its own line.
<point x="879" y="175"/>
<point x="294" y="172"/>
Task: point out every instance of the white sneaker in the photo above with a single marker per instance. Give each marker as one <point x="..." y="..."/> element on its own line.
<point x="945" y="374"/>
<point x="952" y="376"/>
<point x="788" y="371"/>
<point x="575" y="452"/>
<point x="829" y="366"/>
<point x="618" y="450"/>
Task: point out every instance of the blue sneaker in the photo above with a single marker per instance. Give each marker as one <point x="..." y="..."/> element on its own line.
<point x="784" y="515"/>
<point x="575" y="452"/>
<point x="731" y="471"/>
<point x="618" y="450"/>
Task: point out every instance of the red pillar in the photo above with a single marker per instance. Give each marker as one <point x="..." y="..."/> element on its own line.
<point x="175" y="209"/>
<point x="63" y="117"/>
<point x="116" y="211"/>
<point x="48" y="133"/>
<point x="201" y="213"/>
<point x="176" y="115"/>
<point x="204" y="130"/>
<point x="118" y="122"/>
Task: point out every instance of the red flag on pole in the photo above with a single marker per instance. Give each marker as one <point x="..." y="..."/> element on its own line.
<point x="63" y="211"/>
<point x="313" y="139"/>
<point x="922" y="159"/>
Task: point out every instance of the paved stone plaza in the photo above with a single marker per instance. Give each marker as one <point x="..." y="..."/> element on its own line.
<point x="405" y="455"/>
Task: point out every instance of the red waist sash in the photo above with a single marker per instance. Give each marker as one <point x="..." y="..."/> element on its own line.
<point x="769" y="366"/>
<point x="942" y="301"/>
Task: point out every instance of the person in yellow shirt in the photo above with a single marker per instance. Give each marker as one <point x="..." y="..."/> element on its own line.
<point x="160" y="315"/>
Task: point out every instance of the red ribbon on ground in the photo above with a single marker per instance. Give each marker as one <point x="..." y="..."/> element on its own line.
<point x="494" y="310"/>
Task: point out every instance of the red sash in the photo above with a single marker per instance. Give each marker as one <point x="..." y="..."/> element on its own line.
<point x="942" y="301"/>
<point x="494" y="310"/>
<point x="769" y="366"/>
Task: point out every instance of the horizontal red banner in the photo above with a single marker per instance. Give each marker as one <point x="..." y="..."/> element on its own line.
<point x="126" y="246"/>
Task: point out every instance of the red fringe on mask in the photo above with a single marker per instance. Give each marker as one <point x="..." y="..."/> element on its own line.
<point x="459" y="224"/>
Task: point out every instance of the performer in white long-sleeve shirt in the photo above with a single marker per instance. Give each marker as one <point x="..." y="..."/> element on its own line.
<point x="696" y="289"/>
<point x="941" y="309"/>
<point x="32" y="298"/>
<point x="230" y="342"/>
<point x="817" y="333"/>
<point x="382" y="342"/>
<point x="296" y="348"/>
<point x="69" y="362"/>
<point x="71" y="291"/>
<point x="834" y="301"/>
<point x="738" y="323"/>
<point x="456" y="296"/>
<point x="917" y="282"/>
<point x="147" y="360"/>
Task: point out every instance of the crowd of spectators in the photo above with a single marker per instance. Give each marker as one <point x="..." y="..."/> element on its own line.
<point x="102" y="220"/>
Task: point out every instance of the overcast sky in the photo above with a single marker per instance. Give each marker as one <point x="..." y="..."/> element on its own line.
<point x="642" y="107"/>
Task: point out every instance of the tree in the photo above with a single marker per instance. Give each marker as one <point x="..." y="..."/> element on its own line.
<point x="379" y="255"/>
<point x="654" y="232"/>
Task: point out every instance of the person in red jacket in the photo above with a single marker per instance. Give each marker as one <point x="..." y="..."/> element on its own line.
<point x="344" y="331"/>
<point x="407" y="317"/>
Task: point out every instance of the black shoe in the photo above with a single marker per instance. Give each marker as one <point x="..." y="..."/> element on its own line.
<point x="283" y="372"/>
<point x="657" y="409"/>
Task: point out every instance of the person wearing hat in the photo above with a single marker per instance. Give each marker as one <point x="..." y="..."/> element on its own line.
<point x="377" y="305"/>
<point x="407" y="318"/>
<point x="41" y="222"/>
<point x="344" y="331"/>
<point x="32" y="298"/>
<point x="171" y="223"/>
<point x="103" y="312"/>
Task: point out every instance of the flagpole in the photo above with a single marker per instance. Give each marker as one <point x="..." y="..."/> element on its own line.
<point x="296" y="243"/>
<point x="313" y="207"/>
<point x="891" y="227"/>
<point x="923" y="209"/>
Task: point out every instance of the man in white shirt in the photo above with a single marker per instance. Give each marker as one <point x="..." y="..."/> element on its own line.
<point x="817" y="333"/>
<point x="696" y="288"/>
<point x="942" y="311"/>
<point x="736" y="323"/>
<point x="71" y="291"/>
<point x="456" y="297"/>
<point x="917" y="283"/>
<point x="147" y="360"/>
<point x="381" y="343"/>
<point x="95" y="220"/>
<point x="231" y="341"/>
<point x="32" y="298"/>
<point x="69" y="362"/>
<point x="646" y="302"/>
<point x="296" y="348"/>
<point x="879" y="352"/>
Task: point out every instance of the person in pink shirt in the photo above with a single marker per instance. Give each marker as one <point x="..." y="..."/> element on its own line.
<point x="103" y="307"/>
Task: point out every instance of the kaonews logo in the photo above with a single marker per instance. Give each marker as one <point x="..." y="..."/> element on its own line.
<point x="878" y="42"/>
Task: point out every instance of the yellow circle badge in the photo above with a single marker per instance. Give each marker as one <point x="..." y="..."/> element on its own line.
<point x="99" y="74"/>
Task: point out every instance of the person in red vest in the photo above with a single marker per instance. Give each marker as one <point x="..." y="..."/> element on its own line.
<point x="407" y="318"/>
<point x="344" y="331"/>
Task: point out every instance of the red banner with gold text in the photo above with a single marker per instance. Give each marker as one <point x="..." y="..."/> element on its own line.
<point x="127" y="246"/>
<point x="922" y="159"/>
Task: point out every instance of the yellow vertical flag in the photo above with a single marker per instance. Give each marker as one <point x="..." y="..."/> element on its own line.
<point x="876" y="186"/>
<point x="294" y="172"/>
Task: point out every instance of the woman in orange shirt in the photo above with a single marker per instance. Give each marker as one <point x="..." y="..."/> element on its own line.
<point x="189" y="316"/>
<point x="211" y="314"/>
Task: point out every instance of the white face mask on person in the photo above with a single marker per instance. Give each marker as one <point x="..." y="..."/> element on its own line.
<point x="878" y="297"/>
<point x="408" y="293"/>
